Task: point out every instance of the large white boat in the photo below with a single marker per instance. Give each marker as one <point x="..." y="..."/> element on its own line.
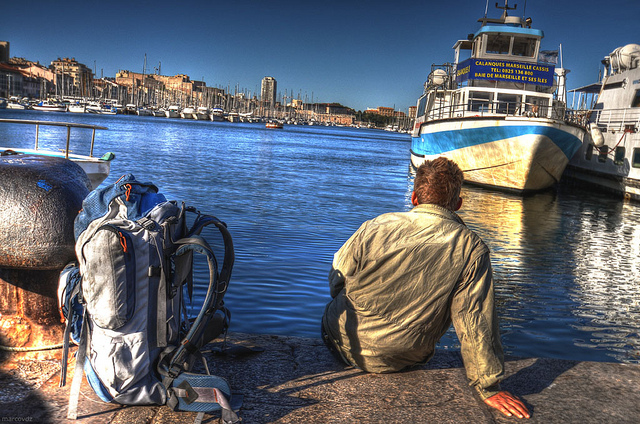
<point x="97" y="169"/>
<point x="499" y="113"/>
<point x="610" y="156"/>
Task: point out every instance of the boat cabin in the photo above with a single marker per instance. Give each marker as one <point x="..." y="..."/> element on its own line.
<point x="499" y="70"/>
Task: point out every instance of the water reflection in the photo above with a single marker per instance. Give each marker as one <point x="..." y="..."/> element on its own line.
<point x="566" y="266"/>
<point x="606" y="246"/>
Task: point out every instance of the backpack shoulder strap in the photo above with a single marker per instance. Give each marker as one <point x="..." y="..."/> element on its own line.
<point x="218" y="283"/>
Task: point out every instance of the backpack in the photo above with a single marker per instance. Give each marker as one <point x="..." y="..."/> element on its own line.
<point x="124" y="301"/>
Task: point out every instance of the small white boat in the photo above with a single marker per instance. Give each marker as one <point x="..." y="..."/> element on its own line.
<point x="77" y="108"/>
<point x="609" y="158"/>
<point x="50" y="106"/>
<point x="499" y="112"/>
<point x="274" y="125"/>
<point x="15" y="105"/>
<point x="143" y="111"/>
<point x="188" y="113"/>
<point x="130" y="109"/>
<point x="217" y="114"/>
<point x="202" y="113"/>
<point x="172" y="111"/>
<point x="97" y="169"/>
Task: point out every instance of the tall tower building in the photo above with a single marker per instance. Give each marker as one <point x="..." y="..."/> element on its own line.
<point x="4" y="51"/>
<point x="268" y="90"/>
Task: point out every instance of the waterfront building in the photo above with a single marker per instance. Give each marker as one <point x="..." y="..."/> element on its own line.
<point x="10" y="81"/>
<point x="382" y="110"/>
<point x="18" y="81"/>
<point x="268" y="91"/>
<point x="77" y="77"/>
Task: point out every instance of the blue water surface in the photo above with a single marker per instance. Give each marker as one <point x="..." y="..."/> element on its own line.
<point x="566" y="262"/>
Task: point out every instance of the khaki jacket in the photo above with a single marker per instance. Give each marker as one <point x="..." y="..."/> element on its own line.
<point x="400" y="281"/>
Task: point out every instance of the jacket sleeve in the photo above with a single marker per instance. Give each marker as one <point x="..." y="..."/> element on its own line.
<point x="475" y="320"/>
<point x="345" y="262"/>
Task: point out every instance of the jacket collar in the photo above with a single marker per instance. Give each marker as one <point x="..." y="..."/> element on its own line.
<point x="437" y="210"/>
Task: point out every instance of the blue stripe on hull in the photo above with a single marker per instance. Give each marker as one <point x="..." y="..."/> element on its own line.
<point x="446" y="141"/>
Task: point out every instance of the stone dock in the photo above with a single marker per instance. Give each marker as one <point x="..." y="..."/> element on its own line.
<point x="297" y="380"/>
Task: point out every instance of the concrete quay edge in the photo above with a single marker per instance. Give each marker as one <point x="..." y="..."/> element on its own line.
<point x="297" y="380"/>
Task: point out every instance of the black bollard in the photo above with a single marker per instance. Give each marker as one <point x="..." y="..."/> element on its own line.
<point x="39" y="199"/>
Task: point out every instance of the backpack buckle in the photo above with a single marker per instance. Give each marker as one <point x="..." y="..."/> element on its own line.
<point x="146" y="223"/>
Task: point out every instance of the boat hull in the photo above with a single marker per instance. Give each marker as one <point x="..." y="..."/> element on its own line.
<point x="96" y="169"/>
<point x="515" y="154"/>
<point x="602" y="171"/>
<point x="46" y="108"/>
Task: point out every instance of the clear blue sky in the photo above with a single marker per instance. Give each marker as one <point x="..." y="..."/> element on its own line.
<point x="358" y="53"/>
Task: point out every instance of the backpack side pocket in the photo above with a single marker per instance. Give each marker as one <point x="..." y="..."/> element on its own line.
<point x="110" y="277"/>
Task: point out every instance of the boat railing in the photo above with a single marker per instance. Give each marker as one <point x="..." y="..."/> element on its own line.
<point x="487" y="108"/>
<point x="616" y="120"/>
<point x="68" y="125"/>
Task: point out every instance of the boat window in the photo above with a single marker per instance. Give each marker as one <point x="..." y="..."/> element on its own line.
<point x="613" y="85"/>
<point x="602" y="156"/>
<point x="636" y="99"/>
<point x="618" y="158"/>
<point x="477" y="47"/>
<point x="636" y="158"/>
<point x="508" y="103"/>
<point x="589" y="153"/>
<point x="498" y="43"/>
<point x="422" y="106"/>
<point x="479" y="101"/>
<point x="525" y="47"/>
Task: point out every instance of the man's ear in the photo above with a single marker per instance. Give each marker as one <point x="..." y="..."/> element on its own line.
<point x="414" y="199"/>
<point x="459" y="205"/>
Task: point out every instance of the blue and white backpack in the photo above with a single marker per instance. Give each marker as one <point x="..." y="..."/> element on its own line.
<point x="124" y="301"/>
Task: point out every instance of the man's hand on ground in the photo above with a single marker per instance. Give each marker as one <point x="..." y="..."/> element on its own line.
<point x="508" y="404"/>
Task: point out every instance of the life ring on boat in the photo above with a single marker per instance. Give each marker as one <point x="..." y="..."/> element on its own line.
<point x="39" y="200"/>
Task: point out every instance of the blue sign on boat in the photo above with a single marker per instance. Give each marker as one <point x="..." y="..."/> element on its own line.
<point x="502" y="70"/>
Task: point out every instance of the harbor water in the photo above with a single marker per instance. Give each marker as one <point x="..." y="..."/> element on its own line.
<point x="566" y="261"/>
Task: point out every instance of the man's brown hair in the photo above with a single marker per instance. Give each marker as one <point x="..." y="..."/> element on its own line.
<point x="438" y="182"/>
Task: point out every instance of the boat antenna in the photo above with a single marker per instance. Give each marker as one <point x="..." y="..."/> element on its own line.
<point x="506" y="8"/>
<point x="524" y="9"/>
<point x="486" y="9"/>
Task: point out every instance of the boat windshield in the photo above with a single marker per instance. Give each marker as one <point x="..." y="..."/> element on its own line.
<point x="525" y="47"/>
<point x="500" y="44"/>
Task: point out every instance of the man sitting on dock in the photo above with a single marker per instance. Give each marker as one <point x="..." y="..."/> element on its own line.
<point x="402" y="278"/>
